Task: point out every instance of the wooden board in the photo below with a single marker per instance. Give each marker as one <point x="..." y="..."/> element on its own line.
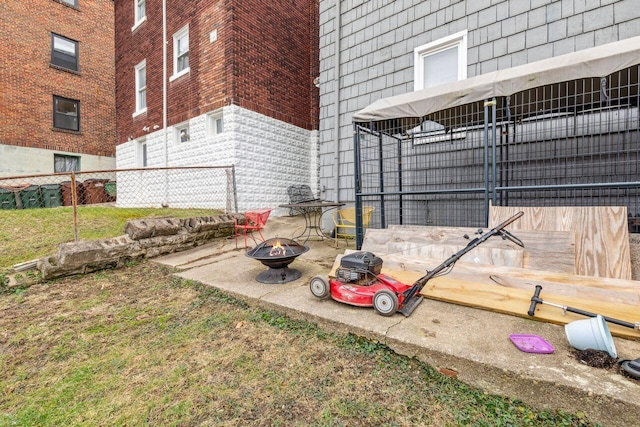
<point x="517" y="301"/>
<point x="552" y="251"/>
<point x="585" y="287"/>
<point x="601" y="234"/>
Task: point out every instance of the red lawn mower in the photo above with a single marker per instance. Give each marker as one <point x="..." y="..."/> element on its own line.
<point x="359" y="280"/>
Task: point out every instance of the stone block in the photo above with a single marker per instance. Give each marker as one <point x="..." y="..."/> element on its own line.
<point x="148" y="227"/>
<point x="161" y="238"/>
<point x="90" y="255"/>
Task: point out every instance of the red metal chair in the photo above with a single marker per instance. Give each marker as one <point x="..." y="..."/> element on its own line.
<point x="253" y="221"/>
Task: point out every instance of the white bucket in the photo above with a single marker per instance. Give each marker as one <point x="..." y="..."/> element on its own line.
<point x="591" y="333"/>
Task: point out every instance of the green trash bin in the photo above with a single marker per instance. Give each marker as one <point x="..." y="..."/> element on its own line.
<point x="30" y="197"/>
<point x="111" y="190"/>
<point x="51" y="195"/>
<point x="7" y="199"/>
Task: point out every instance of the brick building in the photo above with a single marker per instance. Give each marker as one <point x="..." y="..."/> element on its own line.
<point x="240" y="90"/>
<point x="57" y="79"/>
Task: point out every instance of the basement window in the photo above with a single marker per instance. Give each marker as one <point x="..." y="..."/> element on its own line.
<point x="182" y="133"/>
<point x="215" y="123"/>
<point x="141" y="153"/>
<point x="64" y="163"/>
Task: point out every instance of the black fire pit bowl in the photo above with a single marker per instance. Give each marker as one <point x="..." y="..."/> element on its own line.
<point x="277" y="253"/>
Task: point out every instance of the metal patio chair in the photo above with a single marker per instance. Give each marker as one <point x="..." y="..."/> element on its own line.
<point x="344" y="221"/>
<point x="254" y="221"/>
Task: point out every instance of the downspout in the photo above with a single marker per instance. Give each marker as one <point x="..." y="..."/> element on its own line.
<point x="164" y="100"/>
<point x="337" y="91"/>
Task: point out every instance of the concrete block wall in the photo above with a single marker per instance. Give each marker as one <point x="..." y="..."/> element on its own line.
<point x="269" y="155"/>
<point x="378" y="37"/>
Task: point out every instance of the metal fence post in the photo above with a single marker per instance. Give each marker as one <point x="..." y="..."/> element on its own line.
<point x="74" y="203"/>
<point x="358" y="187"/>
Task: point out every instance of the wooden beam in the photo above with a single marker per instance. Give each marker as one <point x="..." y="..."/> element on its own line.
<point x="543" y="250"/>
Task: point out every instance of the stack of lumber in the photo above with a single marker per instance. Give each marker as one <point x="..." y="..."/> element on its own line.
<point x="601" y="234"/>
<point x="555" y="256"/>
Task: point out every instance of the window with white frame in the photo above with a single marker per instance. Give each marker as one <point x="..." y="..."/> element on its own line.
<point x="140" y="12"/>
<point x="141" y="153"/>
<point x="141" y="87"/>
<point x="181" y="52"/>
<point x="215" y="123"/>
<point x="73" y="3"/>
<point x="182" y="133"/>
<point x="441" y="61"/>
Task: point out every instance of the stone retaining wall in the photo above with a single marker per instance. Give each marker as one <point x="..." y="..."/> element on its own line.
<point x="144" y="238"/>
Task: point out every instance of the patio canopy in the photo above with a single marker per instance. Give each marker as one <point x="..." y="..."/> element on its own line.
<point x="599" y="61"/>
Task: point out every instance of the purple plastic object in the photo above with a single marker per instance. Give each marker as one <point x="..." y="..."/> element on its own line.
<point x="531" y="343"/>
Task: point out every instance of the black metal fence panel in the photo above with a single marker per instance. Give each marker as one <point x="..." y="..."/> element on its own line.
<point x="573" y="143"/>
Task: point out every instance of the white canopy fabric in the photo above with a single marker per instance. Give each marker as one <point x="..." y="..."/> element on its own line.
<point x="595" y="62"/>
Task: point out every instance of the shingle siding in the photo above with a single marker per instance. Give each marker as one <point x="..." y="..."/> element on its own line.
<point x="501" y="34"/>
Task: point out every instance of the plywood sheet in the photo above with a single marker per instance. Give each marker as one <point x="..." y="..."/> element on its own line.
<point x="517" y="301"/>
<point x="553" y="251"/>
<point x="601" y="234"/>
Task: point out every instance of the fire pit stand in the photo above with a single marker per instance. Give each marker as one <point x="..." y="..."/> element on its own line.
<point x="277" y="254"/>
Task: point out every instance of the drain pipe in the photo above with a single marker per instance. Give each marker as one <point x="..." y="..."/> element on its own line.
<point x="164" y="101"/>
<point x="337" y="92"/>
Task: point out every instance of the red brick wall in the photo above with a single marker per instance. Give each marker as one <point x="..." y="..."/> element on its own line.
<point x="28" y="81"/>
<point x="274" y="59"/>
<point x="265" y="59"/>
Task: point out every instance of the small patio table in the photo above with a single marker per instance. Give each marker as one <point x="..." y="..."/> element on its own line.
<point x="312" y="212"/>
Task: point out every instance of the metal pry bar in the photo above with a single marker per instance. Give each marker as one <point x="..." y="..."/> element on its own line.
<point x="535" y="300"/>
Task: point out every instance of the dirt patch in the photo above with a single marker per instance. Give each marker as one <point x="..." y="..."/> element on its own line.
<point x="596" y="359"/>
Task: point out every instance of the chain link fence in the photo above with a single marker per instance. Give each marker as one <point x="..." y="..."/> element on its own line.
<point x="38" y="212"/>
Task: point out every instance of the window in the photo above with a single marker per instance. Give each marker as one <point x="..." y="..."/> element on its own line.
<point x="141" y="87"/>
<point x="442" y="61"/>
<point x="66" y="113"/>
<point x="140" y="12"/>
<point x="180" y="53"/>
<point x="64" y="52"/>
<point x="64" y="163"/>
<point x="182" y="133"/>
<point x="141" y="153"/>
<point x="215" y="123"/>
<point x="73" y="3"/>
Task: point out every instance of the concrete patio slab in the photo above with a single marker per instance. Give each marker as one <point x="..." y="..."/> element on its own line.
<point x="470" y="344"/>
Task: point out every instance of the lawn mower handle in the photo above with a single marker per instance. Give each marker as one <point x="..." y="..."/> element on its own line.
<point x="496" y="231"/>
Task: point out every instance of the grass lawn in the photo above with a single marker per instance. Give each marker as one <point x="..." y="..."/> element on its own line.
<point x="137" y="346"/>
<point x="28" y="234"/>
